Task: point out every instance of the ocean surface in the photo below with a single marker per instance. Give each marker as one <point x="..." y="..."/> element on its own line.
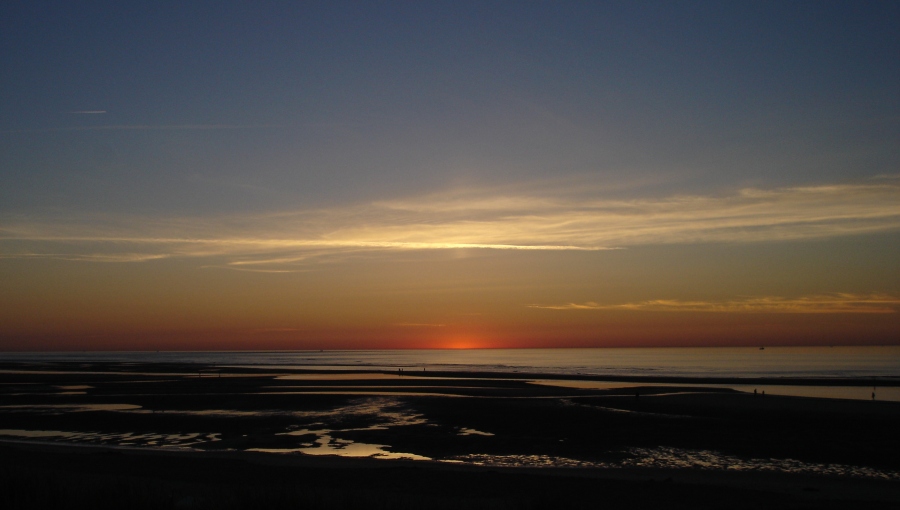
<point x="878" y="363"/>
<point x="782" y="362"/>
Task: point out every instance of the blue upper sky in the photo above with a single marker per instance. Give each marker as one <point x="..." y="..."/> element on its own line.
<point x="222" y="107"/>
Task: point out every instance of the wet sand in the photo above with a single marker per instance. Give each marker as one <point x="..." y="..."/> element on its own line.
<point x="190" y="431"/>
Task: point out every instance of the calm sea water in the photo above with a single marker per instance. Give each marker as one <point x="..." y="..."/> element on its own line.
<point x="832" y="362"/>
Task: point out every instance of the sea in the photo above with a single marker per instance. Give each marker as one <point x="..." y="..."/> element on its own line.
<point x="840" y="363"/>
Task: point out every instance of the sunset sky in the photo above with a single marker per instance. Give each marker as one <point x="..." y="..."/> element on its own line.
<point x="315" y="175"/>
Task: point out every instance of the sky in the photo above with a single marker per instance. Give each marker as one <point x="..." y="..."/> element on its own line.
<point x="364" y="175"/>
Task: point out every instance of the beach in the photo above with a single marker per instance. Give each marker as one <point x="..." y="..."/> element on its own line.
<point x="207" y="436"/>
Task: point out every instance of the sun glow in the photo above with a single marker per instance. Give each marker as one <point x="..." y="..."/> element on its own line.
<point x="464" y="343"/>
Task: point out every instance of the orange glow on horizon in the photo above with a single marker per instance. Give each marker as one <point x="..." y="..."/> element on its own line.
<point x="463" y="344"/>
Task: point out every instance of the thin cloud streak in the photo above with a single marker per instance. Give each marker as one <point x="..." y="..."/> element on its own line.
<point x="274" y="271"/>
<point x="819" y="304"/>
<point x="142" y="127"/>
<point x="88" y="257"/>
<point x="475" y="220"/>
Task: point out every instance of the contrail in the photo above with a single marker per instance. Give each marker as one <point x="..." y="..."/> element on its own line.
<point x="87" y="112"/>
<point x="141" y="127"/>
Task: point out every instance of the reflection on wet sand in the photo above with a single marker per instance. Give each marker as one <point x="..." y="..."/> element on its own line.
<point x="385" y="413"/>
<point x="472" y="432"/>
<point x="207" y="375"/>
<point x="886" y="393"/>
<point x="347" y="448"/>
<point x="116" y="439"/>
<point x="376" y="415"/>
<point x="359" y="392"/>
<point x="355" y="376"/>
<point x="371" y="386"/>
<point x="73" y="407"/>
<point x="326" y="445"/>
<point x="676" y="458"/>
<point x="667" y="457"/>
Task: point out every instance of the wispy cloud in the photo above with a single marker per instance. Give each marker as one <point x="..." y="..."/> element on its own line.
<point x="88" y="257"/>
<point x="141" y="127"/>
<point x="831" y="303"/>
<point x="472" y="219"/>
<point x="274" y="271"/>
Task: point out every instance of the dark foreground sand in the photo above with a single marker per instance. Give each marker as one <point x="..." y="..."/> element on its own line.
<point x="106" y="435"/>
